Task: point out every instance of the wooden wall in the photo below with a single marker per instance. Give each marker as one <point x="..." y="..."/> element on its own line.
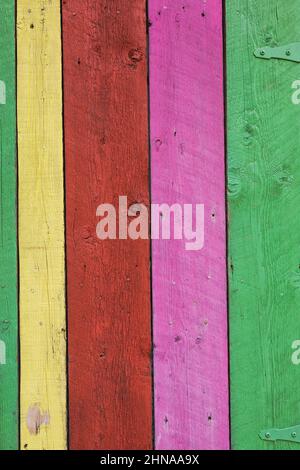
<point x="146" y="343"/>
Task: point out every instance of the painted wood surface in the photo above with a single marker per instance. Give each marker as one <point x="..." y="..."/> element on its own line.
<point x="8" y="233"/>
<point x="187" y="167"/>
<point x="106" y="146"/>
<point x="41" y="226"/>
<point x="264" y="223"/>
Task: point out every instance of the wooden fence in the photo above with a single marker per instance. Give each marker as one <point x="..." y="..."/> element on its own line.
<point x="140" y="342"/>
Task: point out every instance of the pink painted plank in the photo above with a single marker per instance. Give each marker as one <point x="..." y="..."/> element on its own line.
<point x="189" y="287"/>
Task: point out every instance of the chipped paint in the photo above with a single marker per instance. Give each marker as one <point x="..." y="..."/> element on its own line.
<point x="35" y="419"/>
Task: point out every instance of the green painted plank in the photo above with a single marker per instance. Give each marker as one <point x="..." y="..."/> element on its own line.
<point x="8" y="243"/>
<point x="264" y="222"/>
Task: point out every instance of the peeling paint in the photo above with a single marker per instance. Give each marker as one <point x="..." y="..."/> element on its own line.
<point x="35" y="419"/>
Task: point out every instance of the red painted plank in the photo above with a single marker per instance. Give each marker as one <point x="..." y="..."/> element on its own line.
<point x="109" y="316"/>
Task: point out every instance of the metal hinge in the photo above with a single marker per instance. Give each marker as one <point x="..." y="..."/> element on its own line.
<point x="290" y="52"/>
<point x="289" y="434"/>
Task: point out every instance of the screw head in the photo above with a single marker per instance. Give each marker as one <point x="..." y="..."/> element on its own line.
<point x="268" y="435"/>
<point x="294" y="435"/>
<point x="262" y="52"/>
<point x="288" y="53"/>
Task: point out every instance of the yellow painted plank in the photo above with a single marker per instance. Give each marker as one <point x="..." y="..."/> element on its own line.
<point x="41" y="226"/>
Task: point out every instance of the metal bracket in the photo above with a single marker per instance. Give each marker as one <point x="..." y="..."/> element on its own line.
<point x="289" y="434"/>
<point x="289" y="52"/>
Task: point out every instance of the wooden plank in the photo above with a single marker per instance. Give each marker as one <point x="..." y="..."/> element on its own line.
<point x="41" y="226"/>
<point x="189" y="287"/>
<point x="8" y="233"/>
<point x="106" y="144"/>
<point x="264" y="229"/>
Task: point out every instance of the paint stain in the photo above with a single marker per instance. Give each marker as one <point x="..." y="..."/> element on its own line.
<point x="35" y="419"/>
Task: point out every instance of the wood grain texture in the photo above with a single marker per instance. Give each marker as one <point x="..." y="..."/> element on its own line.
<point x="8" y="233"/>
<point x="41" y="226"/>
<point x="264" y="223"/>
<point x="189" y="287"/>
<point x="105" y="103"/>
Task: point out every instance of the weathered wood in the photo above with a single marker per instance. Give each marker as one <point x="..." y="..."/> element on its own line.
<point x="105" y="110"/>
<point x="8" y="233"/>
<point x="41" y="226"/>
<point x="189" y="287"/>
<point x="264" y="223"/>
